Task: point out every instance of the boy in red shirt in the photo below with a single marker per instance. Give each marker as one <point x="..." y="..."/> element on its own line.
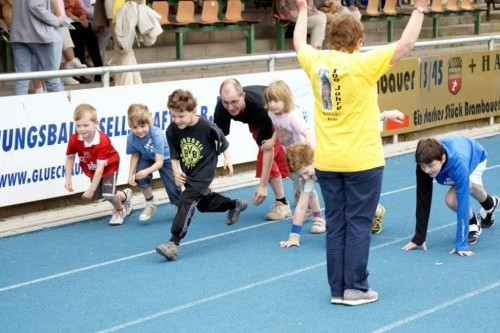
<point x="99" y="161"/>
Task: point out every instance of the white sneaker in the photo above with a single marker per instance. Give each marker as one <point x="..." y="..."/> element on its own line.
<point x="148" y="211"/>
<point x="69" y="81"/>
<point x="74" y="63"/>
<point x="279" y="211"/>
<point x="127" y="204"/>
<point x="358" y="297"/>
<point x="318" y="225"/>
<point x="118" y="217"/>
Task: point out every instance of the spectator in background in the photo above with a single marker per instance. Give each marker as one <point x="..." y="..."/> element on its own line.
<point x="6" y="11"/>
<point x="34" y="34"/>
<point x="330" y="7"/>
<point x="316" y="20"/>
<point x="97" y="18"/>
<point x="83" y="36"/>
<point x="123" y="57"/>
<point x="68" y="60"/>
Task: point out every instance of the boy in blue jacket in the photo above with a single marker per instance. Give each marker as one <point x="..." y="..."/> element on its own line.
<point x="459" y="162"/>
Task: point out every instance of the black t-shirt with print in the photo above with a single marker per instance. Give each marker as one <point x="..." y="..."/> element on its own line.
<point x="197" y="148"/>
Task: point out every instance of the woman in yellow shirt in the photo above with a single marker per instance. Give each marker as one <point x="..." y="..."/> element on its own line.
<point x="349" y="159"/>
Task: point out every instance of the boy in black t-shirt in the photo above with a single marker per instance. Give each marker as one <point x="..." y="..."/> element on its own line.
<point x="195" y="144"/>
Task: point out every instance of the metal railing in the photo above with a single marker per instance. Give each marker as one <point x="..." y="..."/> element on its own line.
<point x="106" y="71"/>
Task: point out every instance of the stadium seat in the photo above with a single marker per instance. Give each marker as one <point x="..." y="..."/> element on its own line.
<point x="372" y="8"/>
<point x="161" y="7"/>
<point x="185" y="12"/>
<point x="390" y="7"/>
<point x="210" y="12"/>
<point x="451" y="5"/>
<point x="234" y="12"/>
<point x="437" y="6"/>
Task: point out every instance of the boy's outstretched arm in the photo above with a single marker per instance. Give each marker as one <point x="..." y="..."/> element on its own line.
<point x="89" y="193"/>
<point x="134" y="159"/>
<point x="228" y="164"/>
<point x="179" y="176"/>
<point x="299" y="217"/>
<point x="141" y="174"/>
<point x="393" y="115"/>
<point x="260" y="193"/>
<point x="70" y="161"/>
<point x="422" y="210"/>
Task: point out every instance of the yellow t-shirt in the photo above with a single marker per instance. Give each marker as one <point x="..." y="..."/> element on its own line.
<point x="346" y="112"/>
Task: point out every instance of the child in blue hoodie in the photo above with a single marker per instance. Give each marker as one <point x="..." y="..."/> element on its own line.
<point x="458" y="162"/>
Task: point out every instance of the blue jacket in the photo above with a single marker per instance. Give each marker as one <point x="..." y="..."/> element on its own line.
<point x="462" y="157"/>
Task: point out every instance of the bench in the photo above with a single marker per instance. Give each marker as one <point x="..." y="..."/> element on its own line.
<point x="371" y="13"/>
<point x="209" y="21"/>
<point x="390" y="13"/>
<point x="452" y="9"/>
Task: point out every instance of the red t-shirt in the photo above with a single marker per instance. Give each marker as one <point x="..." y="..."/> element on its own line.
<point x="100" y="150"/>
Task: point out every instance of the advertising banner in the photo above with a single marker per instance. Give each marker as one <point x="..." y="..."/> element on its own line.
<point x="34" y="136"/>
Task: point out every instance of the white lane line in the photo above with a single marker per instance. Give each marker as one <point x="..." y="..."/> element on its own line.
<point x="437" y="307"/>
<point x="106" y="263"/>
<point x="237" y="290"/>
<point x="211" y="298"/>
<point x="111" y="262"/>
<point x="398" y="190"/>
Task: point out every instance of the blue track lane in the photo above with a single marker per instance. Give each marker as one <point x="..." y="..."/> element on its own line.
<point x="90" y="277"/>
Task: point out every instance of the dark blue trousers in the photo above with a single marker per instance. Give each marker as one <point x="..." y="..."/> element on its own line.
<point x="167" y="177"/>
<point x="351" y="200"/>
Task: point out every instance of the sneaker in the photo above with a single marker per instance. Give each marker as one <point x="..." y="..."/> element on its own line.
<point x="487" y="218"/>
<point x="377" y="220"/>
<point x="279" y="211"/>
<point x="118" y="217"/>
<point x="98" y="78"/>
<point x="82" y="79"/>
<point x="74" y="63"/>
<point x="474" y="232"/>
<point x="69" y="81"/>
<point x="337" y="300"/>
<point x="168" y="250"/>
<point x="358" y="297"/>
<point x="127" y="204"/>
<point x="234" y="214"/>
<point x="148" y="211"/>
<point x="318" y="225"/>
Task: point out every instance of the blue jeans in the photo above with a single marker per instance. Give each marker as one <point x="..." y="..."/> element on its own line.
<point x="48" y="57"/>
<point x="351" y="200"/>
<point x="167" y="177"/>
